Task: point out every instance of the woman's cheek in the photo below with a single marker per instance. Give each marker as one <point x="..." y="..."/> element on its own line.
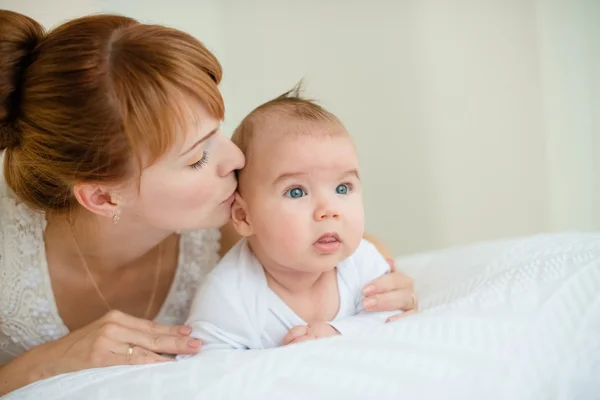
<point x="191" y="193"/>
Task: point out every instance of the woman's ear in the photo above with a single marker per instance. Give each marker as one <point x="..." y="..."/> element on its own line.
<point x="97" y="200"/>
<point x="240" y="217"/>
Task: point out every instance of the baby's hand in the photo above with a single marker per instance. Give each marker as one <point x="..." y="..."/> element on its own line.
<point x="303" y="333"/>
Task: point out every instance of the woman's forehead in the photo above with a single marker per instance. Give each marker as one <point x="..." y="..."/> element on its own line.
<point x="196" y="124"/>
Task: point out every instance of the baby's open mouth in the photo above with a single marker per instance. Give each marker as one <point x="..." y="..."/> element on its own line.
<point x="327" y="243"/>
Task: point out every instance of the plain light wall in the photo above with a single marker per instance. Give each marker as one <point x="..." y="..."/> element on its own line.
<point x="443" y="99"/>
<point x="201" y="18"/>
<point x="569" y="47"/>
<point x="469" y="122"/>
<point x="475" y="119"/>
<point x="51" y="13"/>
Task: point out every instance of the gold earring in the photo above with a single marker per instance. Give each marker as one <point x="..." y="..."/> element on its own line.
<point x="116" y="217"/>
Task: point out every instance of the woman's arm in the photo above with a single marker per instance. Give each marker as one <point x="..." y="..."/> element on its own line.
<point x="379" y="245"/>
<point x="393" y="291"/>
<point x="115" y="339"/>
<point x="22" y="371"/>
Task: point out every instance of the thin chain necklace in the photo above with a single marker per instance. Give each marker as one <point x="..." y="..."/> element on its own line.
<point x="97" y="288"/>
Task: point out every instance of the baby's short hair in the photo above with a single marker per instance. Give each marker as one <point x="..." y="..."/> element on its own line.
<point x="288" y="107"/>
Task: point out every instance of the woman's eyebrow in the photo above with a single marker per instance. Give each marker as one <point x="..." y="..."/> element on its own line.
<point x="199" y="141"/>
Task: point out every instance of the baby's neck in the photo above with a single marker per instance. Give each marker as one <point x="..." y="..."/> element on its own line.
<point x="295" y="282"/>
<point x="313" y="296"/>
<point x="290" y="280"/>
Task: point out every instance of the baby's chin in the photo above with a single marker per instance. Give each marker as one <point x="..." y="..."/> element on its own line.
<point x="323" y="263"/>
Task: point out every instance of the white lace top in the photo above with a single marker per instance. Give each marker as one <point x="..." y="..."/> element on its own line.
<point x="28" y="313"/>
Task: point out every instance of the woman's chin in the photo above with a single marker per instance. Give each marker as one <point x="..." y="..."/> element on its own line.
<point x="217" y="220"/>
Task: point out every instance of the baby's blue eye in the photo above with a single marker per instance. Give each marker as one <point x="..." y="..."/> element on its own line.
<point x="342" y="189"/>
<point x="295" y="193"/>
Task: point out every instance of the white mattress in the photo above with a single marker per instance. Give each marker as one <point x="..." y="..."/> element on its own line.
<point x="515" y="319"/>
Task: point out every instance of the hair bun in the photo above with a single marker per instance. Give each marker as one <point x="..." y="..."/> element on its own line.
<point x="19" y="36"/>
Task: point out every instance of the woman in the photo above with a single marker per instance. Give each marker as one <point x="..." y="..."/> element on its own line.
<point x="112" y="148"/>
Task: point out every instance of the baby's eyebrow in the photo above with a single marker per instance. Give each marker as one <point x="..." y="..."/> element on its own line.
<point x="352" y="172"/>
<point x="287" y="175"/>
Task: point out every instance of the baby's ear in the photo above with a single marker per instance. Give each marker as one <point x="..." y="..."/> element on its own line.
<point x="239" y="216"/>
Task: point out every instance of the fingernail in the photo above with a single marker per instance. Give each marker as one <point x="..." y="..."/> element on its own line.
<point x="370" y="303"/>
<point x="194" y="343"/>
<point x="368" y="289"/>
<point x="185" y="330"/>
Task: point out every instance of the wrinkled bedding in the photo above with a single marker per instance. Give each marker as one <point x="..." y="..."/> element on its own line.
<point x="510" y="319"/>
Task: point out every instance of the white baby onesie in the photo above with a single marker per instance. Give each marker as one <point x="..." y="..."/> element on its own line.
<point x="235" y="308"/>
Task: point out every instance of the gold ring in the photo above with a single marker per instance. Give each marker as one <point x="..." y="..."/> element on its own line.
<point x="414" y="300"/>
<point x="130" y="350"/>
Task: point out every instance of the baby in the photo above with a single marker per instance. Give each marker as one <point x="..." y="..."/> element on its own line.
<point x="298" y="273"/>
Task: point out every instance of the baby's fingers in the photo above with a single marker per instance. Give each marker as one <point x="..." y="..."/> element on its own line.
<point x="303" y="338"/>
<point x="293" y="334"/>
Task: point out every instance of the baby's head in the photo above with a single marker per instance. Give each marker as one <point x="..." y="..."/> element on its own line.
<point x="300" y="201"/>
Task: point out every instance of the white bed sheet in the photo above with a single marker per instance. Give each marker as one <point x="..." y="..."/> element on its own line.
<point x="512" y="319"/>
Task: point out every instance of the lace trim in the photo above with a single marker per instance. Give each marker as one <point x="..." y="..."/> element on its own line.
<point x="28" y="315"/>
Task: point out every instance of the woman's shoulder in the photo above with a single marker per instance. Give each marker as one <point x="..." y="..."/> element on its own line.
<point x="21" y="247"/>
<point x="21" y="232"/>
<point x="21" y="228"/>
<point x="27" y="315"/>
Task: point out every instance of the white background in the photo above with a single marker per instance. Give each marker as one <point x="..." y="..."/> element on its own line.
<point x="474" y="119"/>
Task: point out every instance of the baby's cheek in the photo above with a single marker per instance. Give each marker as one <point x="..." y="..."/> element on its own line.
<point x="290" y="236"/>
<point x="356" y="222"/>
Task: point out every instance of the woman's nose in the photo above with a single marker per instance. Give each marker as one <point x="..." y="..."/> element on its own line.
<point x="233" y="159"/>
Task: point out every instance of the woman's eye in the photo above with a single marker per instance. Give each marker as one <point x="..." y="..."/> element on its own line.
<point x="295" y="193"/>
<point x="342" y="189"/>
<point x="201" y="162"/>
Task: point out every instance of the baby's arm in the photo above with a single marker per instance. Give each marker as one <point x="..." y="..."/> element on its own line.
<point x="218" y="318"/>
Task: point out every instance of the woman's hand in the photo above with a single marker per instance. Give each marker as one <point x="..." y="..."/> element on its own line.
<point x="393" y="291"/>
<point x="115" y="339"/>
<point x="119" y="339"/>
